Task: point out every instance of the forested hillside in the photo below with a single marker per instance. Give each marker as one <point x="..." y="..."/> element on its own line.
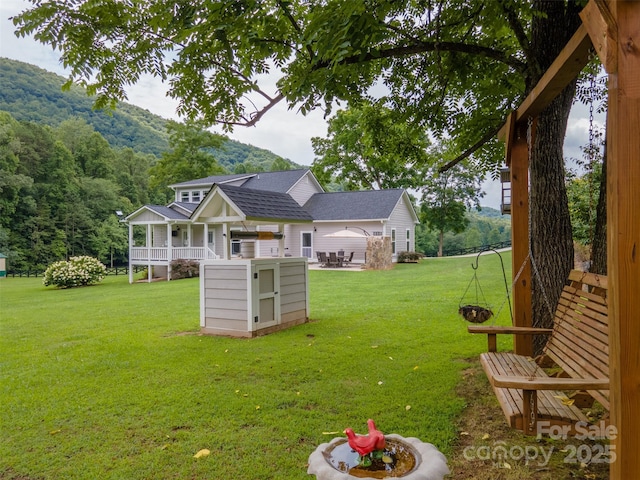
<point x="30" y="93"/>
<point x="65" y="169"/>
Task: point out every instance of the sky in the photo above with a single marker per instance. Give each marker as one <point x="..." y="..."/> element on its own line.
<point x="283" y="131"/>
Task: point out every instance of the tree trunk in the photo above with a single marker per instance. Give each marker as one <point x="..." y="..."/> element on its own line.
<point x="440" y="242"/>
<point x="551" y="234"/>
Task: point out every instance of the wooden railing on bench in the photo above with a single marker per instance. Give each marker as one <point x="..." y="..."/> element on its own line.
<point x="578" y="344"/>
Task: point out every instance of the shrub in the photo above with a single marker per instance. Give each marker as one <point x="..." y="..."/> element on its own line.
<point x="76" y="272"/>
<point x="409" y="257"/>
<point x="184" y="269"/>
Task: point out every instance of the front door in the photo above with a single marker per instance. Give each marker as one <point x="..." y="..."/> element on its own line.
<point x="307" y="244"/>
<point x="267" y="284"/>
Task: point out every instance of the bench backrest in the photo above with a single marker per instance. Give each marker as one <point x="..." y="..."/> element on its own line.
<point x="580" y="340"/>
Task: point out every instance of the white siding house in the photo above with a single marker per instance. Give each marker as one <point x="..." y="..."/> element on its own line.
<point x="199" y="223"/>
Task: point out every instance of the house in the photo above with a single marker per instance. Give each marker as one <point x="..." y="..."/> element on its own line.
<point x="290" y="208"/>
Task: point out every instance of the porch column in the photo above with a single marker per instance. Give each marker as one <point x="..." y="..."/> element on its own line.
<point x="226" y="248"/>
<point x="281" y="241"/>
<point x="130" y="250"/>
<point x="205" y="241"/>
<point x="169" y="251"/>
<point x="149" y="240"/>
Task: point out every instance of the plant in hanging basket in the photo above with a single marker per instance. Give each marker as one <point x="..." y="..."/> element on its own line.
<point x="475" y="313"/>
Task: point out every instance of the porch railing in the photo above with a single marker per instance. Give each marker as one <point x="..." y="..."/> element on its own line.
<point x="161" y="254"/>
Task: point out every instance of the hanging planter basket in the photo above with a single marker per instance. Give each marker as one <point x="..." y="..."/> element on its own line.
<point x="475" y="313"/>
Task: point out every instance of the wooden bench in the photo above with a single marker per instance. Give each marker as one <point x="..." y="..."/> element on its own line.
<point x="578" y="344"/>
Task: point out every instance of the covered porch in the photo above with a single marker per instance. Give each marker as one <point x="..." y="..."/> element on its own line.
<point x="156" y="245"/>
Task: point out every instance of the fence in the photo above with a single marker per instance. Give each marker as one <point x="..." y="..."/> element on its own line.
<point x="472" y="250"/>
<point x="40" y="272"/>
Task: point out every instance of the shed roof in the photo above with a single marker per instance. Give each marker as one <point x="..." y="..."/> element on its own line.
<point x="250" y="205"/>
<point x="354" y="205"/>
<point x="260" y="204"/>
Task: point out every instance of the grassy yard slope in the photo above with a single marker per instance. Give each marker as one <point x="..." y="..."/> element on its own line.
<point x="113" y="381"/>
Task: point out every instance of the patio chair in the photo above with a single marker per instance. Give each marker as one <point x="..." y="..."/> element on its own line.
<point x="334" y="261"/>
<point x="322" y="258"/>
<point x="347" y="261"/>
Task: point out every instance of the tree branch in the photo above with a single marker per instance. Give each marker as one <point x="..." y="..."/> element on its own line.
<point x="516" y="26"/>
<point x="423" y="47"/>
<point x="255" y="116"/>
<point x="294" y="24"/>
<point x="469" y="151"/>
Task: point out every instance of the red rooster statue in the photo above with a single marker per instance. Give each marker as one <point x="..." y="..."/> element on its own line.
<point x="365" y="444"/>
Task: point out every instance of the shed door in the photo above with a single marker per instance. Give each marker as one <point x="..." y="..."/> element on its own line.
<point x="268" y="299"/>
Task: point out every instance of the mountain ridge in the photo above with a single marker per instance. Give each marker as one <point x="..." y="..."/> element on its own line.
<point x="30" y="93"/>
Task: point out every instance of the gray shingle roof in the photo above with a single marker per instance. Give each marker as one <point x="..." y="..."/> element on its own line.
<point x="353" y="205"/>
<point x="189" y="207"/>
<point x="167" y="212"/>
<point x="213" y="179"/>
<point x="275" y="181"/>
<point x="269" y="181"/>
<point x="259" y="204"/>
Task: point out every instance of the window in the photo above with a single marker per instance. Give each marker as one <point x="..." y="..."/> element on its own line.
<point x="408" y="240"/>
<point x="235" y="245"/>
<point x="195" y="197"/>
<point x="393" y="241"/>
<point x="184" y="197"/>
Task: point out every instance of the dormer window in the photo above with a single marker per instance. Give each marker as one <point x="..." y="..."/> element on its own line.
<point x="184" y="197"/>
<point x="195" y="197"/>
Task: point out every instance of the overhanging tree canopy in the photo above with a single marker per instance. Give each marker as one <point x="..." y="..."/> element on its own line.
<point x="454" y="67"/>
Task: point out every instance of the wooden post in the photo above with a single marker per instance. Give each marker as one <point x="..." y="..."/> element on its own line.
<point x="518" y="161"/>
<point x="613" y="27"/>
<point x="623" y="239"/>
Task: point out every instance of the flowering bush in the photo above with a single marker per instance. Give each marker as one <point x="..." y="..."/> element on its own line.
<point x="184" y="269"/>
<point x="76" y="272"/>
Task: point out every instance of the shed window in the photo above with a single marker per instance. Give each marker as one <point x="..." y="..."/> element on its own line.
<point x="408" y="240"/>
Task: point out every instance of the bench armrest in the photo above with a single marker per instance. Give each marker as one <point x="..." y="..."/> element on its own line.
<point x="493" y="331"/>
<point x="509" y="330"/>
<point x="528" y="383"/>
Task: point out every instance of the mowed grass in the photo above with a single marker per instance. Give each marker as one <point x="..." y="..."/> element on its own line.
<point x="113" y="381"/>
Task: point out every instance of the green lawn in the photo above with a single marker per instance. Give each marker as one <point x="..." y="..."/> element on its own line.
<point x="113" y="381"/>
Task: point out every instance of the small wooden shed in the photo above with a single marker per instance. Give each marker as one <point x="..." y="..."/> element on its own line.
<point x="3" y="265"/>
<point x="247" y="297"/>
<point x="251" y="297"/>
